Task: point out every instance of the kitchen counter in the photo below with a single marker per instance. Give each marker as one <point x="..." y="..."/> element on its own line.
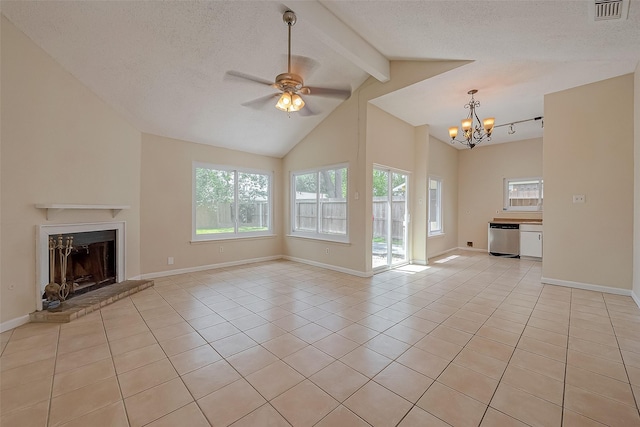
<point x="519" y="237"/>
<point x="517" y="221"/>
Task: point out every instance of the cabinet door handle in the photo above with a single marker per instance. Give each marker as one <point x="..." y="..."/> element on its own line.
<point x="539" y="236"/>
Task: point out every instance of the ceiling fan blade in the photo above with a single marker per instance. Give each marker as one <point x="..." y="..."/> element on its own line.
<point x="326" y="92"/>
<point x="260" y="103"/>
<point x="307" y="111"/>
<point x="282" y="8"/>
<point x="302" y="65"/>
<point x="237" y="75"/>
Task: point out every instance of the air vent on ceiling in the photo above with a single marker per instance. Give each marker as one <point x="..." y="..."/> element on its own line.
<point x="611" y="9"/>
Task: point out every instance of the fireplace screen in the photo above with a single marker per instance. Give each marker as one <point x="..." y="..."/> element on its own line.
<point x="88" y="260"/>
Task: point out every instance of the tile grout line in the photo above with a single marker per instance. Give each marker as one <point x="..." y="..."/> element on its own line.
<point x="104" y="328"/>
<point x="566" y="358"/>
<point x="626" y="371"/>
<point x="55" y="364"/>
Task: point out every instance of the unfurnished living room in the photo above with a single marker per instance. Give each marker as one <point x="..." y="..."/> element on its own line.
<point x="320" y="213"/>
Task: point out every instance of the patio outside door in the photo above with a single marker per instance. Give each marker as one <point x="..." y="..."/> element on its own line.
<point x="389" y="244"/>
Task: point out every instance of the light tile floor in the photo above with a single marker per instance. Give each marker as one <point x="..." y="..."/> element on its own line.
<point x="471" y="340"/>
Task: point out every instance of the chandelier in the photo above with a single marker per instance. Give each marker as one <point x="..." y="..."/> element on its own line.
<point x="473" y="131"/>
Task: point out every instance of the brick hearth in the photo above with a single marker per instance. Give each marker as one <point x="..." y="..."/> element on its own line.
<point x="86" y="303"/>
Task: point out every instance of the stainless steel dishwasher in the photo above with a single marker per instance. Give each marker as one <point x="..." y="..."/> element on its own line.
<point x="504" y="239"/>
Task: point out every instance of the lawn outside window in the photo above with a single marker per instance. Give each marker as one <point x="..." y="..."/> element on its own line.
<point x="230" y="202"/>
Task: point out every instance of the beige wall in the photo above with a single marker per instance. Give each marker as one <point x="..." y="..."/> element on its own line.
<point x="60" y="144"/>
<point x="166" y="207"/>
<point x="419" y="199"/>
<point x="390" y="141"/>
<point x="636" y="180"/>
<point x="588" y="149"/>
<point x="481" y="172"/>
<point x="443" y="164"/>
<point x="344" y="137"/>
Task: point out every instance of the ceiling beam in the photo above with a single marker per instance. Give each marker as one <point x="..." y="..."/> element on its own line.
<point x="341" y="38"/>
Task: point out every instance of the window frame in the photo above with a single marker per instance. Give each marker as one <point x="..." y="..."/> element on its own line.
<point x="505" y="195"/>
<point x="195" y="237"/>
<point x="317" y="234"/>
<point x="440" y="182"/>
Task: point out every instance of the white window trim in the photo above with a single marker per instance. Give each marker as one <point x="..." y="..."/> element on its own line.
<point x="234" y="235"/>
<point x="505" y="195"/>
<point x="340" y="238"/>
<point x="441" y="231"/>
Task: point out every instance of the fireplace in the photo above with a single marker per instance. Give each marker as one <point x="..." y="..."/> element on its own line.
<point x="93" y="255"/>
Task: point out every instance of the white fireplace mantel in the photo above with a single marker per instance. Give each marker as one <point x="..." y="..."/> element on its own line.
<point x="54" y="208"/>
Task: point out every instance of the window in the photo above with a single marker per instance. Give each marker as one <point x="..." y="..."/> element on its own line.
<point x="319" y="203"/>
<point x="435" y="206"/>
<point x="523" y="194"/>
<point x="230" y="202"/>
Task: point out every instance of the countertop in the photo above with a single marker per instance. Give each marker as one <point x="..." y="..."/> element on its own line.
<point x="517" y="221"/>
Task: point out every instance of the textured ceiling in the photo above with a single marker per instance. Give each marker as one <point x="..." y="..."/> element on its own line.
<point x="162" y="64"/>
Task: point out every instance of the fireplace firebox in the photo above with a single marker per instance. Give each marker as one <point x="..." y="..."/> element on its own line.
<point x="90" y="260"/>
<point x="92" y="255"/>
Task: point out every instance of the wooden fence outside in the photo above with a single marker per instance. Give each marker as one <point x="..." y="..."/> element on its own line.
<point x="334" y="217"/>
<point x="380" y="219"/>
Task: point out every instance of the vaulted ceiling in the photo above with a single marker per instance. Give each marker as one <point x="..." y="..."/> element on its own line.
<point x="162" y="65"/>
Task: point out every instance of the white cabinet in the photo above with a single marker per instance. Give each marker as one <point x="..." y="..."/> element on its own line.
<point x="531" y="241"/>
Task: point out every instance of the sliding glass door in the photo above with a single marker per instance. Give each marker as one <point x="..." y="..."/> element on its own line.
<point x="389" y="244"/>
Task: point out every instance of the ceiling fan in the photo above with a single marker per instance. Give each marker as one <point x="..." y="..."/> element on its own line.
<point x="290" y="84"/>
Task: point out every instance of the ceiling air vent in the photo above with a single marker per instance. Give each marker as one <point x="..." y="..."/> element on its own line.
<point x="611" y="9"/>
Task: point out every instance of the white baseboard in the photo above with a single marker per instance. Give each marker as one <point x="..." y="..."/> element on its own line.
<point x="467" y="248"/>
<point x="14" y="323"/>
<point x="442" y="253"/>
<point x="635" y="298"/>
<point x="207" y="267"/>
<point x="587" y="286"/>
<point x="329" y="267"/>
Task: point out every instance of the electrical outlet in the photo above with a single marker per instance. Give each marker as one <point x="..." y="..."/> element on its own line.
<point x="170" y="260"/>
<point x="221" y="249"/>
<point x="579" y="198"/>
<point x="470" y="244"/>
<point x="326" y="251"/>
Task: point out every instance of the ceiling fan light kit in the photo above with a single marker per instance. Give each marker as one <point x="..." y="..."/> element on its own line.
<point x="474" y="131"/>
<point x="290" y="102"/>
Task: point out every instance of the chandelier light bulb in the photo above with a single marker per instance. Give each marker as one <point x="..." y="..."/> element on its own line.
<point x="488" y="124"/>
